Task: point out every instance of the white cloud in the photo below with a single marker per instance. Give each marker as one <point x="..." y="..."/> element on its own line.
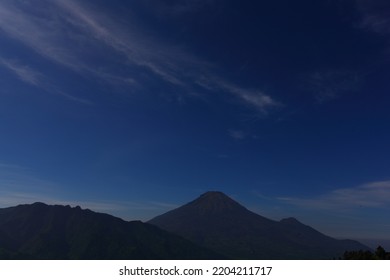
<point x="53" y="34"/>
<point x="37" y="79"/>
<point x="255" y="98"/>
<point x="372" y="195"/>
<point x="43" y="34"/>
<point x="163" y="61"/>
<point x="25" y="73"/>
<point x="90" y="42"/>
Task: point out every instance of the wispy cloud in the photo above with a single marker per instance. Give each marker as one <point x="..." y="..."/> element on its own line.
<point x="37" y="79"/>
<point x="236" y="134"/>
<point x="36" y="28"/>
<point x="67" y="33"/>
<point x="13" y="198"/>
<point x="372" y="195"/>
<point x="331" y="84"/>
<point x="167" y="62"/>
<point x="378" y="23"/>
<point x="9" y="166"/>
<point x="59" y="36"/>
<point x="255" y="98"/>
<point x="179" y="8"/>
<point x="375" y="15"/>
<point x="20" y="185"/>
<point x="25" y="73"/>
<point x="128" y="210"/>
<point x="90" y="42"/>
<point x="17" y="181"/>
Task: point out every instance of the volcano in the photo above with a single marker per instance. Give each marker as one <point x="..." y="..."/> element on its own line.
<point x="216" y="221"/>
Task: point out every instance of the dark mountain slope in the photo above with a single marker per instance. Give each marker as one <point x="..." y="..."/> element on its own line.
<point x="217" y="222"/>
<point x="39" y="231"/>
<point x="318" y="244"/>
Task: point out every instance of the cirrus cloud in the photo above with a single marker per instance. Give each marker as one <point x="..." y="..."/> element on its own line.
<point x="372" y="195"/>
<point x="94" y="44"/>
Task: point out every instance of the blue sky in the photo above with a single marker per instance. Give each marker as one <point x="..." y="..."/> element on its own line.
<point x="136" y="107"/>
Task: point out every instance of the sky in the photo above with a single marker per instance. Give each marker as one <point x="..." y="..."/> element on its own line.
<point x="134" y="108"/>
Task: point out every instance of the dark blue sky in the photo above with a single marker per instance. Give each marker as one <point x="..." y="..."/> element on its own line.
<point x="133" y="108"/>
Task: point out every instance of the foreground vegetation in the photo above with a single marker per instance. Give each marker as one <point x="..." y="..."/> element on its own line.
<point x="379" y="254"/>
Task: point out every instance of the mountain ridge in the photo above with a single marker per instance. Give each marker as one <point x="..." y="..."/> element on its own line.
<point x="240" y="233"/>
<point x="40" y="231"/>
<point x="213" y="226"/>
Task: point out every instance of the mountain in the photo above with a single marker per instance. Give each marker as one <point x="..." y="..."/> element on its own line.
<point x="40" y="231"/>
<point x="216" y="221"/>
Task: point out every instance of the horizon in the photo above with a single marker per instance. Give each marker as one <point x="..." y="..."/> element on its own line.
<point x="373" y="243"/>
<point x="134" y="109"/>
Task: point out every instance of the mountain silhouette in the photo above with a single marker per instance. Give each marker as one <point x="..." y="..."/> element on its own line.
<point x="216" y="221"/>
<point x="40" y="231"/>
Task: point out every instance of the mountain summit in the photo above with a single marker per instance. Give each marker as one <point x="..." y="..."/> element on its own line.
<point x="212" y="212"/>
<point x="217" y="222"/>
<point x="214" y="202"/>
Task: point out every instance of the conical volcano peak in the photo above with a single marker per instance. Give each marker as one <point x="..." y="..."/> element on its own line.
<point x="216" y="221"/>
<point x="214" y="195"/>
<point x="215" y="201"/>
<point x="290" y="220"/>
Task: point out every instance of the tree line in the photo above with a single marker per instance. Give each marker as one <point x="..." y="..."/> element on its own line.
<point x="379" y="254"/>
